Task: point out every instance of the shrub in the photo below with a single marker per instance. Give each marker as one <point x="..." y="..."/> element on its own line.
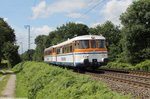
<point x="144" y="66"/>
<point x="119" y="65"/>
<point x="43" y="82"/>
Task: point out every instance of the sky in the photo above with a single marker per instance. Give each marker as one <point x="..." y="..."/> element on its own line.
<point x="44" y="16"/>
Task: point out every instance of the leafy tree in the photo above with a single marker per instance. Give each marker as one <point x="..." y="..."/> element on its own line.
<point x="51" y="39"/>
<point x="40" y="46"/>
<point x="28" y="55"/>
<point x="11" y="54"/>
<point x="112" y="35"/>
<point x="136" y="32"/>
<point x="7" y="43"/>
<point x="66" y="31"/>
<point x="72" y="29"/>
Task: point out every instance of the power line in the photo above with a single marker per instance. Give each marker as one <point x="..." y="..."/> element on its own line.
<point x="92" y="8"/>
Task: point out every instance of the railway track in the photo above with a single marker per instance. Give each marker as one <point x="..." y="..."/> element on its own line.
<point x="135" y="83"/>
<point x="132" y="72"/>
<point x="125" y="78"/>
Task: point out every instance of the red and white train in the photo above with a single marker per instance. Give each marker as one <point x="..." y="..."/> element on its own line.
<point x="81" y="51"/>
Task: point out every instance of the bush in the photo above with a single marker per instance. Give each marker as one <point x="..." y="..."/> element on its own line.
<point x="144" y="66"/>
<point x="43" y="82"/>
<point x="119" y="65"/>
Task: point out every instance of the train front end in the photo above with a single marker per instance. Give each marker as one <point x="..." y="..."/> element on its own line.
<point x="90" y="51"/>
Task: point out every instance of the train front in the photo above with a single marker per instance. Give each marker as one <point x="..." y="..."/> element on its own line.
<point x="90" y="51"/>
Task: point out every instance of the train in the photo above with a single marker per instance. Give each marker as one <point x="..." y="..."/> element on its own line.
<point x="86" y="51"/>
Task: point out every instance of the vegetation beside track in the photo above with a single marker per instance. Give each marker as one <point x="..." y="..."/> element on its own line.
<point x="41" y="81"/>
<point x="3" y="83"/>
<point x="143" y="66"/>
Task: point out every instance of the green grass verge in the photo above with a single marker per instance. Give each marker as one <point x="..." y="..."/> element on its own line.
<point x="21" y="88"/>
<point x="37" y="80"/>
<point x="3" y="83"/>
<point x="143" y="66"/>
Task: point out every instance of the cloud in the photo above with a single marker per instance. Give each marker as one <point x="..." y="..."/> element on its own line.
<point x="44" y="30"/>
<point x="69" y="7"/>
<point x="74" y="15"/>
<point x="114" y="8"/>
<point x="79" y="22"/>
<point x="95" y="24"/>
<point x="39" y="10"/>
<point x="6" y="19"/>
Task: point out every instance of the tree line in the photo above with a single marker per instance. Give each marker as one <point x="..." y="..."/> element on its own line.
<point x="8" y="48"/>
<point x="128" y="43"/>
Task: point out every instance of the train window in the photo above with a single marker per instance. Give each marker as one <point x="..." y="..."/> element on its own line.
<point x="61" y="50"/>
<point x="84" y="44"/>
<point x="101" y="43"/>
<point x="76" y="44"/>
<point x="58" y="51"/>
<point x="70" y="48"/>
<point x="93" y="43"/>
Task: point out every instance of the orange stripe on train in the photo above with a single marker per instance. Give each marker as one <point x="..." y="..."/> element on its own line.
<point x="90" y="49"/>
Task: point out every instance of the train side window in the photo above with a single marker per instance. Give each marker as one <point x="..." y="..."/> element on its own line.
<point x="93" y="43"/>
<point x="61" y="50"/>
<point x="65" y="49"/>
<point x="70" y="48"/>
<point x="84" y="44"/>
<point x="101" y="43"/>
<point x="58" y="51"/>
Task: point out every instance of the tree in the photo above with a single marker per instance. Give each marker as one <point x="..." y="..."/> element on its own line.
<point x="136" y="32"/>
<point x="10" y="53"/>
<point x="7" y="43"/>
<point x="28" y="55"/>
<point x="66" y="31"/>
<point x="51" y="39"/>
<point x="112" y="35"/>
<point x="40" y="46"/>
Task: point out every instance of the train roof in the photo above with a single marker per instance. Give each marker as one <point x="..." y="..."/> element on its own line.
<point x="83" y="37"/>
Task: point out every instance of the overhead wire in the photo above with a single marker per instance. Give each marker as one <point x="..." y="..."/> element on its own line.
<point x="100" y="2"/>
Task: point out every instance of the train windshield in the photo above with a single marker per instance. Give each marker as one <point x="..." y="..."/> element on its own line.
<point x="84" y="44"/>
<point x="101" y="43"/>
<point x="93" y="43"/>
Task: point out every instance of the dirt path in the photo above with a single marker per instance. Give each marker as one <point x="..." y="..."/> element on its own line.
<point x="9" y="91"/>
<point x="1" y="78"/>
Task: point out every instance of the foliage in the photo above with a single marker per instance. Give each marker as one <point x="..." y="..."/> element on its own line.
<point x="119" y="65"/>
<point x="21" y="89"/>
<point x="144" y="66"/>
<point x="40" y="46"/>
<point x="11" y="54"/>
<point x="112" y="35"/>
<point x="28" y="55"/>
<point x="8" y="49"/>
<point x="44" y="81"/>
<point x="136" y="32"/>
<point x="3" y="83"/>
<point x="68" y="30"/>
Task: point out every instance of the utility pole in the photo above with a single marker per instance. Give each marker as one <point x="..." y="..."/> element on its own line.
<point x="28" y="27"/>
<point x="21" y="47"/>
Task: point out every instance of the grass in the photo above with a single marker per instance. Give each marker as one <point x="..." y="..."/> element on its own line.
<point x="37" y="80"/>
<point x="143" y="66"/>
<point x="21" y="88"/>
<point x="3" y="83"/>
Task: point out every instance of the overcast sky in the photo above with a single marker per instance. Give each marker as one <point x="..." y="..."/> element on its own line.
<point x="45" y="15"/>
